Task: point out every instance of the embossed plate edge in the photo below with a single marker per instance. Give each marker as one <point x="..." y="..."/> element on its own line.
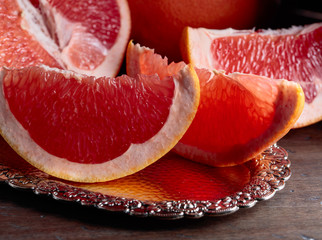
<point x="262" y="186"/>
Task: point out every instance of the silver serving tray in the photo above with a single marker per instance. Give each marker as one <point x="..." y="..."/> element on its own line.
<point x="268" y="174"/>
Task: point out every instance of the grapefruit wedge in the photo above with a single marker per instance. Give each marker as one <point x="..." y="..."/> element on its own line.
<point x="88" y="129"/>
<point x="294" y="54"/>
<point x="239" y="115"/>
<point x="89" y="37"/>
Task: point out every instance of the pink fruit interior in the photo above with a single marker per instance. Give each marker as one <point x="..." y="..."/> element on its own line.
<point x="17" y="47"/>
<point x="292" y="57"/>
<point x="87" y="120"/>
<point x="100" y="18"/>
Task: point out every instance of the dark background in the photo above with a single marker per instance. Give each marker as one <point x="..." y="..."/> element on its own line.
<point x="294" y="213"/>
<point x="296" y="12"/>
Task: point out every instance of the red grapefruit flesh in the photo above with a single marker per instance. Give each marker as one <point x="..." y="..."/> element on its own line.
<point x="239" y="115"/>
<point x="18" y="48"/>
<point x="88" y="37"/>
<point x="294" y="54"/>
<point x="89" y="129"/>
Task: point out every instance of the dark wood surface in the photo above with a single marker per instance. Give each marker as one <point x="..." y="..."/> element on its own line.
<point x="293" y="213"/>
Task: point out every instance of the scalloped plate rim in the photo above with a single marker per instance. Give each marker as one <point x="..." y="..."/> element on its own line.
<point x="246" y="198"/>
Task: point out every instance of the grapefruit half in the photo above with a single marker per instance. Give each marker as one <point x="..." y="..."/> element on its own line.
<point x="89" y="37"/>
<point x="88" y="129"/>
<point x="294" y="54"/>
<point x="239" y="115"/>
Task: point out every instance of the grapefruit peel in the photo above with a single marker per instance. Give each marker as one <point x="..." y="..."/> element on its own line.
<point x="195" y="48"/>
<point x="137" y="157"/>
<point x="286" y="113"/>
<point x="289" y="105"/>
<point x="70" y="42"/>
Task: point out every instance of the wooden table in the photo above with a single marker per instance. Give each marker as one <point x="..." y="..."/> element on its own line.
<point x="293" y="213"/>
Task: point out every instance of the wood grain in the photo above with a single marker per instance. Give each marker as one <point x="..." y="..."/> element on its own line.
<point x="293" y="213"/>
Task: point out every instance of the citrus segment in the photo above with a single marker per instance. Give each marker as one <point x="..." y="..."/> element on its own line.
<point x="293" y="54"/>
<point x="18" y="48"/>
<point x="91" y="129"/>
<point x="92" y="35"/>
<point x="239" y="115"/>
<point x="88" y="37"/>
<point x="245" y="115"/>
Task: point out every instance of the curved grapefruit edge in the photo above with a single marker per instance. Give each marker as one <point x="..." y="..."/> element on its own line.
<point x="137" y="157"/>
<point x="34" y="24"/>
<point x="113" y="60"/>
<point x="136" y="53"/>
<point x="205" y="36"/>
<point x="312" y="112"/>
<point x="132" y="61"/>
<point x="289" y="91"/>
<point x="191" y="152"/>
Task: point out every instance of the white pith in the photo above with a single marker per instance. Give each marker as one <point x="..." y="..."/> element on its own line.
<point x="311" y="109"/>
<point x="33" y="22"/>
<point x="288" y="91"/>
<point x="200" y="40"/>
<point x="69" y="32"/>
<point x="137" y="56"/>
<point x="138" y="156"/>
<point x="203" y="38"/>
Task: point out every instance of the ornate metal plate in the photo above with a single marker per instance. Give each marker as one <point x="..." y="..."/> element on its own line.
<point x="201" y="190"/>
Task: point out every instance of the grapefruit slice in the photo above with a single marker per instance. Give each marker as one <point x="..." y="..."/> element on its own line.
<point x="88" y="129"/>
<point x="294" y="54"/>
<point x="239" y="115"/>
<point x="89" y="37"/>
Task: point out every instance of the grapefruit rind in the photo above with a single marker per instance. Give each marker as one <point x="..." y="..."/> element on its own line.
<point x="289" y="106"/>
<point x="113" y="56"/>
<point x="312" y="112"/>
<point x="143" y="60"/>
<point x="195" y="49"/>
<point x="285" y="109"/>
<point x="137" y="157"/>
<point x="33" y="23"/>
<point x="18" y="48"/>
<point x="74" y="41"/>
<point x="196" y="42"/>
